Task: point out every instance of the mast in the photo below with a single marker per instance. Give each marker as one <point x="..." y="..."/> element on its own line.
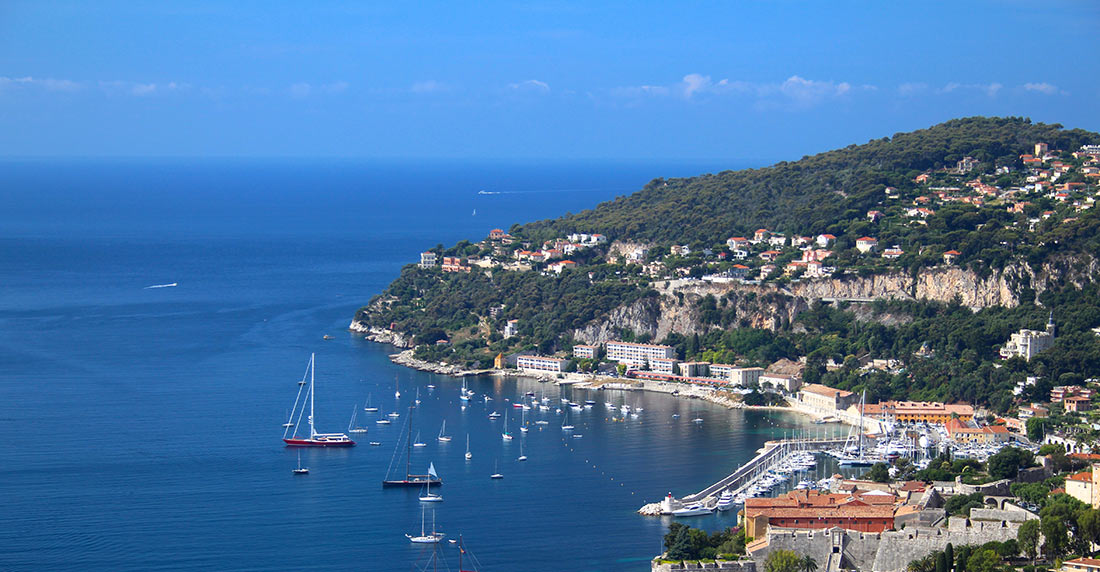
<point x="312" y="366"/>
<point x="408" y="445"/>
<point x="862" y="403"/>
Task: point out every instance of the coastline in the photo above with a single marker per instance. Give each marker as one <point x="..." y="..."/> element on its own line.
<point x="591" y="381"/>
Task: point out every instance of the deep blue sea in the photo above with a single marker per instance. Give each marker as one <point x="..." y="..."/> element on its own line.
<point x="142" y="425"/>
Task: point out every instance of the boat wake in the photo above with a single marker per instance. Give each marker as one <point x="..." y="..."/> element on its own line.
<point x="172" y="285"/>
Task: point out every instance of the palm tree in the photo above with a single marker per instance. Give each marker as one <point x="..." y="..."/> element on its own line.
<point x="809" y="564"/>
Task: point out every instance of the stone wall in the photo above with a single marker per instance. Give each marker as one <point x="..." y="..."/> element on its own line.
<point x="731" y="566"/>
<point x="889" y="551"/>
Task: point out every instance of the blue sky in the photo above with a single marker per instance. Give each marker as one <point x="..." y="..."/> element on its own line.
<point x="737" y="81"/>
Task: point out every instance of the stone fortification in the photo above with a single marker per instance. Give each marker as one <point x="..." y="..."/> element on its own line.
<point x="731" y="566"/>
<point x="836" y="549"/>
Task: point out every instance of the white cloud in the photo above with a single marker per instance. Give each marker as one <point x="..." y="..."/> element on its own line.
<point x="1043" y="87"/>
<point x="531" y="86"/>
<point x="429" y="86"/>
<point x="990" y="89"/>
<point x="138" y="89"/>
<point x="48" y="84"/>
<point x="795" y="91"/>
<point x="912" y="88"/>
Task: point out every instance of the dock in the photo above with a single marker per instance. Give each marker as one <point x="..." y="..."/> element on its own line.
<point x="773" y="454"/>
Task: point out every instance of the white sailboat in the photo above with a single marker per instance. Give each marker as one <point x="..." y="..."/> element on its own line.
<point x="417" y="400"/>
<point x="418" y="442"/>
<point x="506" y="435"/>
<point x="369" y="408"/>
<point x="469" y="455"/>
<point x="432" y="537"/>
<point x="464" y="393"/>
<point x="300" y="470"/>
<point x="522" y="457"/>
<point x="428" y="495"/>
<point x="496" y="471"/>
<point x="565" y="425"/>
<point x="352" y="427"/>
<point x="289" y="420"/>
<point x="443" y="436"/>
<point x="523" y="421"/>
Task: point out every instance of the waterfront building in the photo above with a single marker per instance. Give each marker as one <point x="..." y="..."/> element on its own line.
<point x="747" y="376"/>
<point x="663" y="365"/>
<point x="863" y="511"/>
<point x="827" y="398"/>
<point x="776" y="381"/>
<point x="968" y="432"/>
<point x="637" y="354"/>
<point x="540" y="364"/>
<point x="427" y="259"/>
<point x="924" y="411"/>
<point x="585" y="352"/>
<point x="695" y="369"/>
<point x="1028" y="343"/>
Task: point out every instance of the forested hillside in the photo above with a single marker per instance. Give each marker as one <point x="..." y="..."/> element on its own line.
<point x="816" y="194"/>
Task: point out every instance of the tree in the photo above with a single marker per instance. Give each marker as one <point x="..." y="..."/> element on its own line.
<point x="983" y="561"/>
<point x="1036" y="428"/>
<point x="783" y="561"/>
<point x="1007" y="462"/>
<point x="949" y="552"/>
<point x="879" y="473"/>
<point x="1028" y="537"/>
<point x="809" y="564"/>
<point x="1055" y="536"/>
<point x="941" y="562"/>
<point x="1088" y="525"/>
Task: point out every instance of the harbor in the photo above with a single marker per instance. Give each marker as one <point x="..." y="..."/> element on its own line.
<point x="774" y="455"/>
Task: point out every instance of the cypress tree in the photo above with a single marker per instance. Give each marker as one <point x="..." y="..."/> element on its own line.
<point x="949" y="556"/>
<point x="941" y="562"/>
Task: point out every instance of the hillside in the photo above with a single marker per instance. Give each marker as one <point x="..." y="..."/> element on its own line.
<point x="936" y="245"/>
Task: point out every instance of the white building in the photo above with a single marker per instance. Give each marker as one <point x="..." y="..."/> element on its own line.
<point x="585" y="352"/>
<point x="540" y="363"/>
<point x="511" y="328"/>
<point x="637" y="354"/>
<point x="866" y="244"/>
<point x="427" y="259"/>
<point x="663" y="365"/>
<point x="1028" y="343"/>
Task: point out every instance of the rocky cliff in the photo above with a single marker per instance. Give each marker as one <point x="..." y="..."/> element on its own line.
<point x="769" y="306"/>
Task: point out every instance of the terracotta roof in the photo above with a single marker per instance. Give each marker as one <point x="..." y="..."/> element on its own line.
<point x="1083" y="476"/>
<point x="824" y="390"/>
<point x="1083" y="561"/>
<point x="842" y="511"/>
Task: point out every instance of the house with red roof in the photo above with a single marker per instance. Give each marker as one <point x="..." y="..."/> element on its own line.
<point x="866" y="244"/>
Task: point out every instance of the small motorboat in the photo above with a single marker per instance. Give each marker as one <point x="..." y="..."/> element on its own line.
<point x="375" y="443"/>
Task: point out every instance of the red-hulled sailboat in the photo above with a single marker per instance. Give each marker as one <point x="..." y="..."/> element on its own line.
<point x="315" y="439"/>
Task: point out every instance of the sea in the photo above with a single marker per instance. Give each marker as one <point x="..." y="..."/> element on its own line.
<point x="157" y="315"/>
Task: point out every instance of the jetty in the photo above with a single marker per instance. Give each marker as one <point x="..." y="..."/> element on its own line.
<point x="773" y="454"/>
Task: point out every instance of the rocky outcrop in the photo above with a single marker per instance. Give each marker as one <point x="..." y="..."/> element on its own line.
<point x="381" y="335"/>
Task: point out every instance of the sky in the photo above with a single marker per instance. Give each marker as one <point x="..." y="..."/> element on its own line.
<point x="547" y="80"/>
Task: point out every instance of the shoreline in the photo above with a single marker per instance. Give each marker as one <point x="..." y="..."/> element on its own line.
<point x="588" y="381"/>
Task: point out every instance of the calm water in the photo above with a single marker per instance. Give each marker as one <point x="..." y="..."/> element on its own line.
<point x="143" y="425"/>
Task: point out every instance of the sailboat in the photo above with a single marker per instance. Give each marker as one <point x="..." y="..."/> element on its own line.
<point x="506" y="435"/>
<point x="418" y="442"/>
<point x="315" y="439"/>
<point x="417" y="400"/>
<point x="352" y="428"/>
<point x="443" y="437"/>
<point x="369" y="408"/>
<point x="288" y="423"/>
<point x="428" y="495"/>
<point x="523" y="421"/>
<point x="522" y="457"/>
<point x="565" y="425"/>
<point x="300" y="470"/>
<point x="464" y="394"/>
<point x="426" y="538"/>
<point x="847" y="460"/>
<point x="469" y="455"/>
<point x="496" y="471"/>
<point x="410" y="480"/>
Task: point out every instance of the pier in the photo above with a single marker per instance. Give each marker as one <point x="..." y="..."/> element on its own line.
<point x="773" y="454"/>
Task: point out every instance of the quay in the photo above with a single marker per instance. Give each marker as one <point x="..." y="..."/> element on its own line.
<point x="773" y="454"/>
